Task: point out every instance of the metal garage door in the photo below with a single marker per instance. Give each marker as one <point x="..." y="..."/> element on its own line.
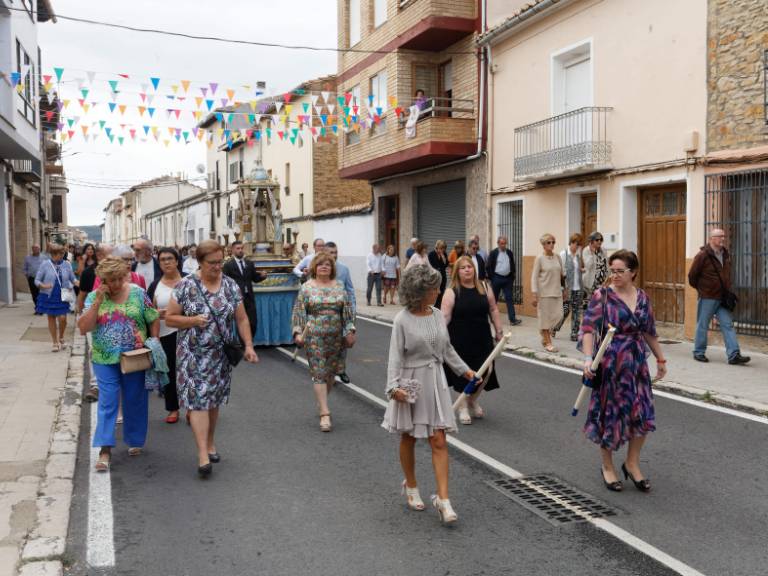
<point x="440" y="213"/>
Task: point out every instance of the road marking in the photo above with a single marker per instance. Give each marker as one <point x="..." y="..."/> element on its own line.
<point x="101" y="541"/>
<point x="605" y="525"/>
<point x="659" y="393"/>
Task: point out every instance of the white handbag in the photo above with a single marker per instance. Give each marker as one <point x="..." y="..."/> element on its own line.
<point x="67" y="294"/>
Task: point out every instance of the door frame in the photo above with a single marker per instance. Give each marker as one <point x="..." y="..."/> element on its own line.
<point x="384" y="205"/>
<point x="573" y="208"/>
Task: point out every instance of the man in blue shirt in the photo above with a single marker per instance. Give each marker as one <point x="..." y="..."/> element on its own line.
<point x="31" y="265"/>
<point x="342" y="275"/>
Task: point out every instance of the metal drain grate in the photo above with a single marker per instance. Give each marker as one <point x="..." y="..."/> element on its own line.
<point x="552" y="499"/>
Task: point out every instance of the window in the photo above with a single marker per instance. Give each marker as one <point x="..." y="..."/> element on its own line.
<point x="379" y="102"/>
<point x="57" y="209"/>
<point x="218" y="180"/>
<point x="26" y="68"/>
<point x="235" y="171"/>
<point x="287" y="179"/>
<point x="572" y="79"/>
<point x="218" y="207"/>
<point x="289" y="235"/>
<point x="352" y="135"/>
<point x="354" y="21"/>
<point x="379" y="12"/>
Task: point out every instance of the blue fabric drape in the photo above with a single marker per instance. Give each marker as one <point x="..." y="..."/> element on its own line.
<point x="273" y="310"/>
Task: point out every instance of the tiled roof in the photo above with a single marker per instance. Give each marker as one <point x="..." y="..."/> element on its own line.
<point x="496" y="29"/>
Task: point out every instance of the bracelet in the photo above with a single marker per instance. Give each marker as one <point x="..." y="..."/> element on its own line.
<point x="660" y="361"/>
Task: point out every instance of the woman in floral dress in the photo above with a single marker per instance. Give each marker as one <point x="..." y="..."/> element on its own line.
<point x="621" y="409"/>
<point x="324" y="323"/>
<point x="203" y="372"/>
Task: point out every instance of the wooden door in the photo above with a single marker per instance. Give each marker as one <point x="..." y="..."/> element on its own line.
<point x="588" y="215"/>
<point x="445" y="87"/>
<point x="390" y="221"/>
<point x="662" y="250"/>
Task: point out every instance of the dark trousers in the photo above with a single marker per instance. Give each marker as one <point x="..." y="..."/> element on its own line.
<point x="250" y="311"/>
<point x="573" y="306"/>
<point x="34" y="290"/>
<point x="171" y="395"/>
<point x="373" y="280"/>
<point x="504" y="284"/>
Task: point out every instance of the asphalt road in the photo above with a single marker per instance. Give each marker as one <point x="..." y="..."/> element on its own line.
<point x="287" y="499"/>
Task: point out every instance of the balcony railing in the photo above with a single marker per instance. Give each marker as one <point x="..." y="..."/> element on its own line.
<point x="29" y="170"/>
<point x="440" y="108"/>
<point x="572" y="143"/>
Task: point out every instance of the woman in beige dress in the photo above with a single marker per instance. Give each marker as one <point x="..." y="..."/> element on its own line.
<point x="547" y="288"/>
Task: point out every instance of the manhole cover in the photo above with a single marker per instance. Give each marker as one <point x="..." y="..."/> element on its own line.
<point x="552" y="499"/>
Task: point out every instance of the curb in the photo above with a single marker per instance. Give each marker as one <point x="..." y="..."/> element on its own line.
<point x="43" y="551"/>
<point x="716" y="398"/>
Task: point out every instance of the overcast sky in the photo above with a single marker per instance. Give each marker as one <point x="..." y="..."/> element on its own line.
<point x="80" y="47"/>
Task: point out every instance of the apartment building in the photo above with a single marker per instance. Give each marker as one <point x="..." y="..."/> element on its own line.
<point x="428" y="178"/>
<point x="598" y="121"/>
<point x="23" y="209"/>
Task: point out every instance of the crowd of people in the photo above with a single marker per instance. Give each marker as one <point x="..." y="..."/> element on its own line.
<point x="159" y="320"/>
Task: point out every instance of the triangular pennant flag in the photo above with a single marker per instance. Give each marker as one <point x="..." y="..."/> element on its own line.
<point x="70" y="121"/>
<point x="197" y="114"/>
<point x="288" y="108"/>
<point x="231" y="94"/>
<point x="113" y="85"/>
<point x="230" y="118"/>
<point x="325" y="96"/>
<point x="59" y="73"/>
<point x="175" y="88"/>
<point x="251" y="118"/>
<point x="133" y="133"/>
<point x="15" y="78"/>
<point x="70" y="134"/>
<point x="209" y="104"/>
<point x="224" y="101"/>
<point x="142" y="109"/>
<point x="324" y="119"/>
<point x="287" y="97"/>
<point x="120" y="139"/>
<point x="146" y="130"/>
<point x="331" y="108"/>
<point x="122" y="108"/>
<point x="177" y="112"/>
<point x="313" y="98"/>
<point x="195" y="130"/>
<point x="102" y="123"/>
<point x="219" y="116"/>
<point x="204" y="90"/>
<point x="253" y="104"/>
<point x="305" y="106"/>
<point x="278" y="106"/>
<point x="155" y="82"/>
<point x="151" y="112"/>
<point x="108" y="131"/>
<point x="48" y="115"/>
<point x="84" y="92"/>
<point x="47" y="78"/>
<point x="185" y="85"/>
<point x="112" y="106"/>
<point x="185" y="134"/>
<point x="86" y="107"/>
<point x="213" y="86"/>
<point x="124" y="76"/>
<point x="198" y="101"/>
<point x="280" y="134"/>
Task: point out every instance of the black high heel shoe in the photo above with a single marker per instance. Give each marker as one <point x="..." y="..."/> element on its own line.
<point x="643" y="485"/>
<point x="612" y="486"/>
<point x="205" y="470"/>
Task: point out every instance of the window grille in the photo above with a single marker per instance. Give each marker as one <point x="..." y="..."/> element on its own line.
<point x="510" y="224"/>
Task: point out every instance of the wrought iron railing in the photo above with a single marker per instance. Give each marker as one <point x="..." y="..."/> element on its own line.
<point x="439" y="107"/>
<point x="737" y="202"/>
<point x="573" y="141"/>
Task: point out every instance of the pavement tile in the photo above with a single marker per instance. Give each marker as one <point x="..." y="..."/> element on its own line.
<point x="51" y="568"/>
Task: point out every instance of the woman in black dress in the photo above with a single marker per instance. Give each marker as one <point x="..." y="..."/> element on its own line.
<point x="467" y="308"/>
<point x="439" y="261"/>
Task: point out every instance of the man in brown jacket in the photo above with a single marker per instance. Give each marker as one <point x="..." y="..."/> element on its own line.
<point x="710" y="274"/>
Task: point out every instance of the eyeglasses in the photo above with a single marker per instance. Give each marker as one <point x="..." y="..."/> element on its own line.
<point x="169" y="259"/>
<point x="619" y="271"/>
<point x="214" y="263"/>
<point x="549" y="242"/>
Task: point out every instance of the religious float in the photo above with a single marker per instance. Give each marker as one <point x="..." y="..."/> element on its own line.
<point x="260" y="222"/>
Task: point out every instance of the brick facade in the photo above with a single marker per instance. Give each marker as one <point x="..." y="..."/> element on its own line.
<point x="331" y="191"/>
<point x="738" y="39"/>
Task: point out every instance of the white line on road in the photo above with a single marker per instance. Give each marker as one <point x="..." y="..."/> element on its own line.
<point x="101" y="542"/>
<point x="609" y="527"/>
<point x="659" y="393"/>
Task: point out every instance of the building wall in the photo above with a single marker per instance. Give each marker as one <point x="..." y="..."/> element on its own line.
<point x="331" y="191"/>
<point x="656" y="83"/>
<point x="354" y="235"/>
<point x="738" y="38"/>
<point x="477" y="209"/>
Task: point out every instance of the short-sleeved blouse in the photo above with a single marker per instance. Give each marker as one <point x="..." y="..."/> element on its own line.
<point x="121" y="327"/>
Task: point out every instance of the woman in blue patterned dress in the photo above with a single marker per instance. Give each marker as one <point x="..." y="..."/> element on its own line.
<point x="203" y="372"/>
<point x="52" y="276"/>
<point x="621" y="409"/>
<point x="324" y="323"/>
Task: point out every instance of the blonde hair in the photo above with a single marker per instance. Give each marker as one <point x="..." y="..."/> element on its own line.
<point x="319" y="259"/>
<point x="112" y="268"/>
<point x="456" y="282"/>
<point x="545" y="237"/>
<point x="56" y="249"/>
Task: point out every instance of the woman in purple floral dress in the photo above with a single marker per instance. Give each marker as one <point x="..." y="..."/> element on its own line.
<point x="621" y="409"/>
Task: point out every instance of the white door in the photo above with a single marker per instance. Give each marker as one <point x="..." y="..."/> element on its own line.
<point x="577" y="85"/>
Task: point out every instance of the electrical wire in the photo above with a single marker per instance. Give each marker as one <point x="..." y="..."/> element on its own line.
<point x="224" y="40"/>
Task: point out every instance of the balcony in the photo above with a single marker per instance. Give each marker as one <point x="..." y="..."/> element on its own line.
<point x="573" y="143"/>
<point x="445" y="131"/>
<point x="439" y="24"/>
<point x="27" y="170"/>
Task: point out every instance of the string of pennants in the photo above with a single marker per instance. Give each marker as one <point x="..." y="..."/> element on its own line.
<point x="124" y="109"/>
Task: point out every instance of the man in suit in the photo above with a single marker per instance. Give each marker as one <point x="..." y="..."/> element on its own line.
<point x="477" y="259"/>
<point x="242" y="271"/>
<point x="501" y="272"/>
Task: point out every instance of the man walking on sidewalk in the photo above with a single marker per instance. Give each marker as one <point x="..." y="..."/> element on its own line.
<point x="374" y="263"/>
<point x="710" y="275"/>
<point x="31" y="266"/>
<point x="343" y="276"/>
<point x="501" y="271"/>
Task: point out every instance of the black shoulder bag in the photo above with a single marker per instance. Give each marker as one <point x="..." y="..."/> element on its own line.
<point x="597" y="380"/>
<point x="728" y="299"/>
<point x="232" y="350"/>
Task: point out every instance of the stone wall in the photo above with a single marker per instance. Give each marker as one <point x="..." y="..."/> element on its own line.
<point x="738" y="39"/>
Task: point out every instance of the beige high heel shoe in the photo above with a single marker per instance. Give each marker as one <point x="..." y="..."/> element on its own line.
<point x="414" y="498"/>
<point x="445" y="510"/>
<point x="325" y="422"/>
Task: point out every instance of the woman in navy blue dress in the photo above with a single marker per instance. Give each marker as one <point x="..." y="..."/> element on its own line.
<point x="54" y="276"/>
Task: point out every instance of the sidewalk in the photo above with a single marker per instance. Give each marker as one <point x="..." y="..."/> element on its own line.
<point x="39" y="422"/>
<point x="741" y="387"/>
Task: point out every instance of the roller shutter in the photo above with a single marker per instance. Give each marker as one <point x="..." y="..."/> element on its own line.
<point x="441" y="213"/>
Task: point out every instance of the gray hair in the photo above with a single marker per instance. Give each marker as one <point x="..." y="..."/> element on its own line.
<point x="122" y="251"/>
<point x="415" y="283"/>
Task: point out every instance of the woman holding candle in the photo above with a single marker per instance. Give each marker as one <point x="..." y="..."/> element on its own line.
<point x="621" y="408"/>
